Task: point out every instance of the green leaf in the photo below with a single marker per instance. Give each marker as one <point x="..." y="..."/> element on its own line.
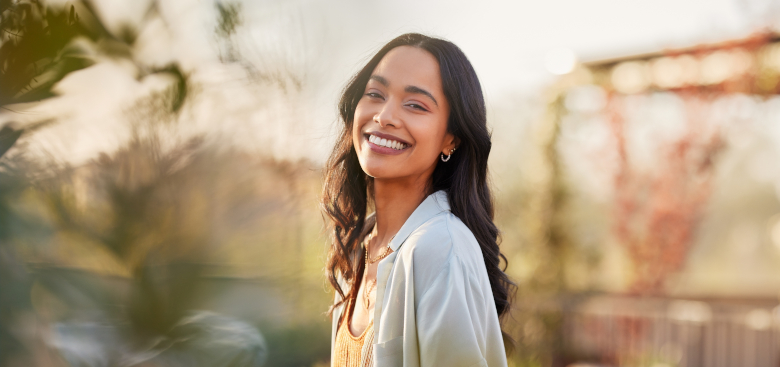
<point x="8" y="137"/>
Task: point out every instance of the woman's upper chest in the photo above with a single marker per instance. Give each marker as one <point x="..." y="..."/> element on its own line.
<point x="362" y="313"/>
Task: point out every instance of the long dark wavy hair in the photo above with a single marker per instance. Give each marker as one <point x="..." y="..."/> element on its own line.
<point x="348" y="190"/>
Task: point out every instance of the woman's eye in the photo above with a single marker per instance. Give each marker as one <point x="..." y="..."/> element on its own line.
<point x="418" y="107"/>
<point x="374" y="95"/>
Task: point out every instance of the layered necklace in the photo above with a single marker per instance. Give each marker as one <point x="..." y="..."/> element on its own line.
<point x="370" y="286"/>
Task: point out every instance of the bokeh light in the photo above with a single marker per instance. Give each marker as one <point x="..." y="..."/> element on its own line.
<point x="560" y="61"/>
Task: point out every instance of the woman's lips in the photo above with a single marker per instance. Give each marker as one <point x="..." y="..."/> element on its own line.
<point x="380" y="134"/>
<point x="384" y="145"/>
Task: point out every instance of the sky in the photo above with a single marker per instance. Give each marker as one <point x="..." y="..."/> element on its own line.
<point x="507" y="41"/>
<point x="324" y="42"/>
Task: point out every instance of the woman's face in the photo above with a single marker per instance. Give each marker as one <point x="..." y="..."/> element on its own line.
<point x="400" y="124"/>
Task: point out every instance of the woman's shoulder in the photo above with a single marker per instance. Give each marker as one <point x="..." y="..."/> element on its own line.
<point x="440" y="241"/>
<point x="444" y="232"/>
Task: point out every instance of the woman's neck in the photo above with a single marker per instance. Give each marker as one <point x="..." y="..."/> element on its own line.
<point x="395" y="202"/>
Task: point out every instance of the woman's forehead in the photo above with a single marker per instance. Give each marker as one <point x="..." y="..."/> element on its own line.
<point x="407" y="66"/>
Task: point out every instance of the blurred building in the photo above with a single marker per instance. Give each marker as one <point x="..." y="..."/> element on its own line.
<point x="672" y="156"/>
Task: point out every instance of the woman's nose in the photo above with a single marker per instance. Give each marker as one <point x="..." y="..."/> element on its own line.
<point x="387" y="116"/>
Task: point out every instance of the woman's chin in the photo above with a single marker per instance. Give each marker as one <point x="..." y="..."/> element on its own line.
<point x="375" y="173"/>
<point x="380" y="171"/>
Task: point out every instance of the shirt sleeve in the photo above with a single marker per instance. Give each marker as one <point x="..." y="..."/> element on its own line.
<point x="452" y="319"/>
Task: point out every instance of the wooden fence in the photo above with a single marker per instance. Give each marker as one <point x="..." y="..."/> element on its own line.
<point x="660" y="332"/>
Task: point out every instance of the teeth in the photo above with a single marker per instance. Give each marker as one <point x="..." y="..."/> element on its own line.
<point x="386" y="143"/>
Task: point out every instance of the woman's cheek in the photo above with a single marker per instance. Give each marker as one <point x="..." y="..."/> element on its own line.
<point x="357" y="128"/>
<point x="426" y="135"/>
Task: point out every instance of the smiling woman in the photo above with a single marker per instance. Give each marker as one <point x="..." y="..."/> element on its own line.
<point x="399" y="109"/>
<point x="418" y="281"/>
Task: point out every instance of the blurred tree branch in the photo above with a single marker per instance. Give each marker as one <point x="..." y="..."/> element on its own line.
<point x="656" y="214"/>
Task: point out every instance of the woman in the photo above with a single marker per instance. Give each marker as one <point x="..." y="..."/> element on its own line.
<point x="417" y="282"/>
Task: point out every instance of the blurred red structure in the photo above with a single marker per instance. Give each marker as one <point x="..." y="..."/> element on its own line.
<point x="655" y="213"/>
<point x="657" y="205"/>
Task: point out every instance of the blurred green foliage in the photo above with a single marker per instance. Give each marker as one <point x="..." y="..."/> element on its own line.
<point x="121" y="253"/>
<point x="14" y="282"/>
<point x="299" y="345"/>
<point x="33" y="53"/>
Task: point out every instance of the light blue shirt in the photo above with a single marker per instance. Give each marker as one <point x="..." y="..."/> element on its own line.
<point x="434" y="304"/>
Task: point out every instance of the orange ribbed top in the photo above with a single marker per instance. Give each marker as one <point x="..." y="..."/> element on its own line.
<point x="349" y="349"/>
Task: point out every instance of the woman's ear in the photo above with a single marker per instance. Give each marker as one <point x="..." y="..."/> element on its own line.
<point x="452" y="143"/>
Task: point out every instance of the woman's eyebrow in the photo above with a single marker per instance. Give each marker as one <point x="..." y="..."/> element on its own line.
<point x="418" y="90"/>
<point x="409" y="89"/>
<point x="380" y="79"/>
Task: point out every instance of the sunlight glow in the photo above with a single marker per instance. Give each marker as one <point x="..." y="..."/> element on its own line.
<point x="560" y="61"/>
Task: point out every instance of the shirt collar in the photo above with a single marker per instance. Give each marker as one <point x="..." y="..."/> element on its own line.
<point x="432" y="205"/>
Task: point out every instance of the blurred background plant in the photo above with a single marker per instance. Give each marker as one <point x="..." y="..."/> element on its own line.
<point x="116" y="261"/>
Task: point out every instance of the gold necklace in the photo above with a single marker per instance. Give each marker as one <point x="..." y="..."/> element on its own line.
<point x="381" y="256"/>
<point x="371" y="285"/>
<point x="367" y="292"/>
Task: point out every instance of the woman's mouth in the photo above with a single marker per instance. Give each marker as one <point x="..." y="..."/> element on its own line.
<point x="385" y="145"/>
<point x="382" y="142"/>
